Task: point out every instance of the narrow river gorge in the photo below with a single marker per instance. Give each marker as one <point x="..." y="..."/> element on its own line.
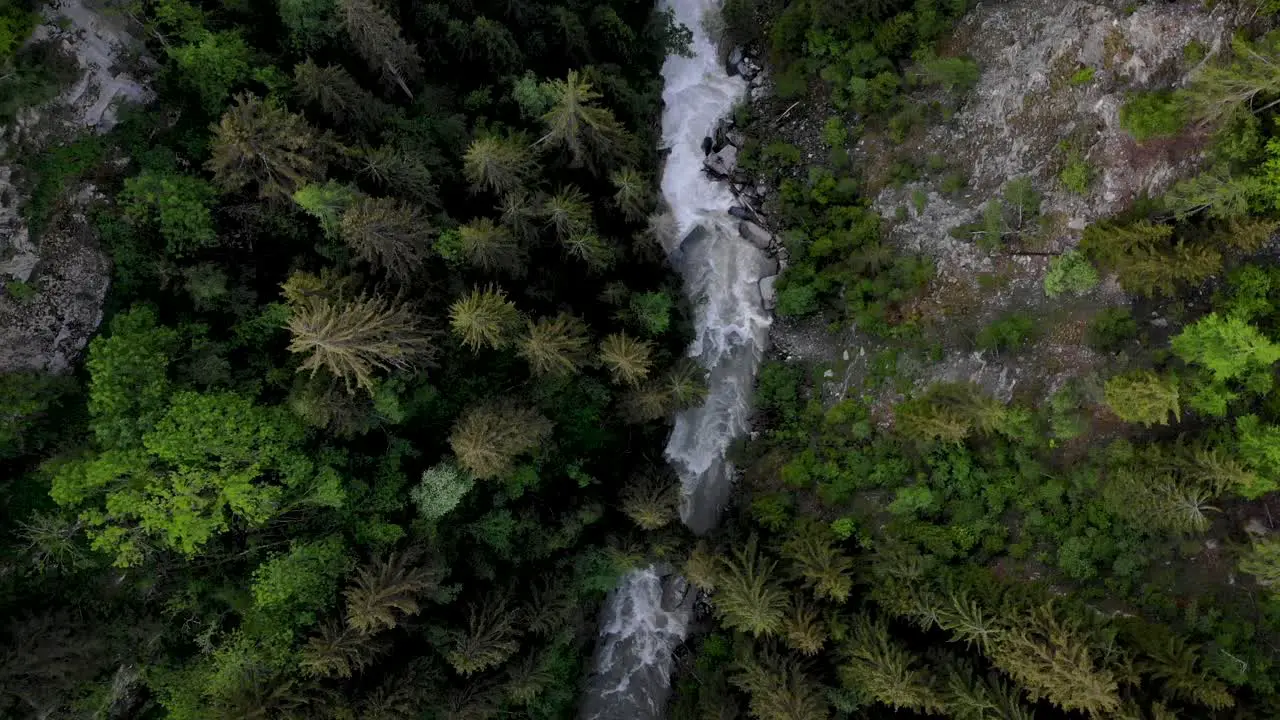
<point x="648" y="615"/>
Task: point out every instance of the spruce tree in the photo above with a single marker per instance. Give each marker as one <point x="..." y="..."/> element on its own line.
<point x="555" y="346"/>
<point x="258" y="141"/>
<point x="352" y="339"/>
<point x="388" y="234"/>
<point x="484" y="318"/>
<point x="378" y="40"/>
<point x="627" y="358"/>
<point x="488" y="437"/>
<point x="499" y="164"/>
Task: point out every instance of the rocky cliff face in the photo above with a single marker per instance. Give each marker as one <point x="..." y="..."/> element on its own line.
<point x="54" y="284"/>
<point x="1054" y="76"/>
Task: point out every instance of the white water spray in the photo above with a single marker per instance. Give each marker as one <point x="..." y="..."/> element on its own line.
<point x="646" y="617"/>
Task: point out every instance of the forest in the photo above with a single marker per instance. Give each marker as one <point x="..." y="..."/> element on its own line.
<point x="375" y="418"/>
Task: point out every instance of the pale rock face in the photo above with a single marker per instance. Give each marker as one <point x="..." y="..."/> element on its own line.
<point x="65" y="266"/>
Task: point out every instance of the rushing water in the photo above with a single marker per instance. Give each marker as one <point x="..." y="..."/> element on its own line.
<point x="646" y="617"/>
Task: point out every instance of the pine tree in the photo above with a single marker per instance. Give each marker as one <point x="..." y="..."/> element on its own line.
<point x="488" y="437"/>
<point x="632" y="194"/>
<point x="747" y="598"/>
<point x="353" y="338"/>
<point x="338" y="651"/>
<point x="258" y="141"/>
<point x="388" y="234"/>
<point x="590" y="134"/>
<point x="484" y="318"/>
<point x="555" y="346"/>
<point x="499" y="164"/>
<point x="377" y="39"/>
<point x="491" y="247"/>
<point x="488" y="641"/>
<point x="387" y="590"/>
<point x="627" y="358"/>
<point x="651" y="501"/>
<point x="820" y="564"/>
<point x="1143" y="397"/>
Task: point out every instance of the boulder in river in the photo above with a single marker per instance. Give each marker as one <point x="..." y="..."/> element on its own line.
<point x="722" y="164"/>
<point x="755" y="234"/>
<point x="768" y="292"/>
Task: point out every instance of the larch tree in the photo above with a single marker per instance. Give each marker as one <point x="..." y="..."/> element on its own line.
<point x="258" y="141"/>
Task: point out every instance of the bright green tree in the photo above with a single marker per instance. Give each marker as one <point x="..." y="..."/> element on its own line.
<point x="1144" y="397"/>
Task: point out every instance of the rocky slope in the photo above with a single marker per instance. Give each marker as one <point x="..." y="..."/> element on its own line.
<point x="54" y="284"/>
<point x="1054" y="76"/>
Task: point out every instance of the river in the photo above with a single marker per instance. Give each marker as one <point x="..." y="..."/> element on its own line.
<point x="647" y="616"/>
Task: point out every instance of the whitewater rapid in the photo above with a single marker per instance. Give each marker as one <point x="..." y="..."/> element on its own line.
<point x="647" y="616"/>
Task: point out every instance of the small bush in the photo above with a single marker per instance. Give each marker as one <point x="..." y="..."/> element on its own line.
<point x="20" y="291"/>
<point x="951" y="74"/>
<point x="919" y="200"/>
<point x="797" y="300"/>
<point x="834" y="132"/>
<point x="1153" y="114"/>
<point x="1070" y="273"/>
<point x="1077" y="175"/>
<point x="1011" y="332"/>
<point x="1110" y="329"/>
<point x="1083" y="76"/>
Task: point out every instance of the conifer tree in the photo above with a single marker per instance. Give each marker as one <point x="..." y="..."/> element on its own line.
<point x="821" y="565"/>
<point x="747" y="599"/>
<point x="378" y="40"/>
<point x="519" y="213"/>
<point x="590" y="134"/>
<point x="338" y="651"/>
<point x="627" y="358"/>
<point x="881" y="668"/>
<point x="488" y="641"/>
<point x="386" y="591"/>
<point x="567" y="212"/>
<point x="488" y="437"/>
<point x="258" y="141"/>
<point x="484" y="318"/>
<point x="555" y="346"/>
<point x="804" y="631"/>
<point x="352" y="339"/>
<point x="1221" y="88"/>
<point x="388" y="234"/>
<point x="499" y="164"/>
<point x="338" y="95"/>
<point x="632" y="194"/>
<point x="397" y="171"/>
<point x="1143" y="397"/>
<point x="779" y="689"/>
<point x="651" y="500"/>
<point x="1262" y="561"/>
<point x="1053" y="659"/>
<point x="490" y="247"/>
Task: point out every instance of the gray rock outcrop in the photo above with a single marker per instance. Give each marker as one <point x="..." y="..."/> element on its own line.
<point x="52" y="287"/>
